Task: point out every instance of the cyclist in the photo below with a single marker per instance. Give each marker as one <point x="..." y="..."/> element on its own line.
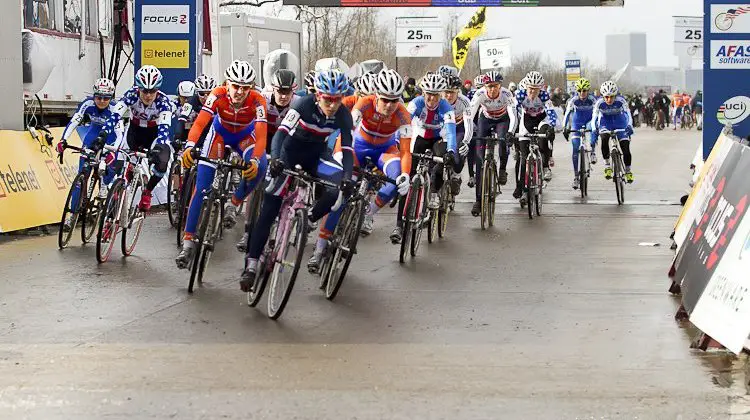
<point x="578" y="115"/>
<point x="377" y="119"/>
<point x="279" y="101"/>
<point x="697" y="105"/>
<point x="188" y="106"/>
<point x="447" y="71"/>
<point x="535" y="116"/>
<point x="677" y="104"/>
<point x="309" y="87"/>
<point x="431" y="115"/>
<point x="611" y="113"/>
<point x="464" y="127"/>
<point x="410" y="91"/>
<point x="512" y="87"/>
<point x="236" y="113"/>
<point x="302" y="140"/>
<point x="495" y="102"/>
<point x="99" y="109"/>
<point x="365" y="87"/>
<point x="150" y="119"/>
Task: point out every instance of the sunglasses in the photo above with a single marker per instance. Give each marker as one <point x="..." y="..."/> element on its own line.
<point x="149" y="91"/>
<point x="389" y="100"/>
<point x="240" y="87"/>
<point x="609" y="96"/>
<point x="331" y="99"/>
<point x="583" y="90"/>
<point x="102" y="98"/>
<point x="204" y="93"/>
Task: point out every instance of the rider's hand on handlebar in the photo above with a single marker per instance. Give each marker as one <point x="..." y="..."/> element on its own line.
<point x="347" y="187"/>
<point x="463" y="149"/>
<point x="275" y="167"/>
<point x="450" y="157"/>
<point x="402" y="183"/>
<point x="251" y="171"/>
<point x="566" y="133"/>
<point x="61" y="146"/>
<point x="187" y="158"/>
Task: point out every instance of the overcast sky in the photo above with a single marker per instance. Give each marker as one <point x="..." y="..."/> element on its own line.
<point x="556" y="30"/>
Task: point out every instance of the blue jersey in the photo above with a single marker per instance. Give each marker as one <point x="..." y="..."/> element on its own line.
<point x="306" y="122"/>
<point x="612" y="117"/>
<point x="98" y="118"/>
<point x="429" y="123"/>
<point x="579" y="112"/>
<point x="158" y="114"/>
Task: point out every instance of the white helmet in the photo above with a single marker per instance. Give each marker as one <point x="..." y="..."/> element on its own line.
<point x="512" y="86"/>
<point x="241" y="73"/>
<point x="389" y="84"/>
<point x="534" y="79"/>
<point x="186" y="89"/>
<point x="479" y="81"/>
<point x="148" y="77"/>
<point x="433" y="83"/>
<point x="609" y="88"/>
<point x="366" y="84"/>
<point x="104" y="87"/>
<point x="205" y="83"/>
<point x="522" y="84"/>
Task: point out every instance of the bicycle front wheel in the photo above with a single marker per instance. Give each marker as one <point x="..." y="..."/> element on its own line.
<point x="410" y="213"/>
<point x="174" y="182"/>
<point x="109" y="221"/>
<point x="133" y="224"/>
<point x="262" y="273"/>
<point x="64" y="234"/>
<point x="492" y="191"/>
<point x="204" y="220"/>
<point x="583" y="173"/>
<point x="420" y="216"/>
<point x="442" y="213"/>
<point x="531" y="186"/>
<point x="188" y="184"/>
<point x="91" y="208"/>
<point x="285" y="270"/>
<point x="344" y="253"/>
<point x="485" y="197"/>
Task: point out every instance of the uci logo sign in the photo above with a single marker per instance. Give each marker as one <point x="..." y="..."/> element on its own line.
<point x="734" y="110"/>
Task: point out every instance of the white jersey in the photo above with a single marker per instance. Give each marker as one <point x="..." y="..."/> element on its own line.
<point x="534" y="113"/>
<point x="276" y="115"/>
<point x="462" y="108"/>
<point x="492" y="108"/>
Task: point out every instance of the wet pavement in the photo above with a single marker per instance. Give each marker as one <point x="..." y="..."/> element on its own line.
<point x="561" y="317"/>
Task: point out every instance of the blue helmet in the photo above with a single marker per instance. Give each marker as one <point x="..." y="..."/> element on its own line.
<point x="493" y="76"/>
<point x="331" y="82"/>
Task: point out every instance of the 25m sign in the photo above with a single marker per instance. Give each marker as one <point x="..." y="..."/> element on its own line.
<point x="165" y="19"/>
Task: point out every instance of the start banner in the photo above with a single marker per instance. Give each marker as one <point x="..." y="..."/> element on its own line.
<point x="33" y="183"/>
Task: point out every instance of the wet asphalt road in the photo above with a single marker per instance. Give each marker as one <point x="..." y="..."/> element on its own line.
<point x="562" y="317"/>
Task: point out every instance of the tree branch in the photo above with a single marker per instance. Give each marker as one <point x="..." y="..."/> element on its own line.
<point x="256" y="3"/>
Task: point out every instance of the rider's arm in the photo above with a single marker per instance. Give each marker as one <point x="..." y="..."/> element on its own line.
<point x="512" y="109"/>
<point x="549" y="109"/>
<point x="567" y="119"/>
<point x="405" y="136"/>
<point x="626" y="111"/>
<point x="164" y="120"/>
<point x="204" y="118"/>
<point x="128" y="99"/>
<point x="182" y="119"/>
<point x="357" y="111"/>
<point x="596" y="115"/>
<point x="344" y="121"/>
<point x="449" y="123"/>
<point x="468" y="123"/>
<point x="288" y="124"/>
<point x="261" y="127"/>
<point x="476" y="103"/>
<point x="76" y="119"/>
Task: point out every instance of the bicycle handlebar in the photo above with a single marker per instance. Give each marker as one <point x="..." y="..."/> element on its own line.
<point x="221" y="162"/>
<point x="428" y="156"/>
<point x="299" y="173"/>
<point x="370" y="176"/>
<point x="81" y="150"/>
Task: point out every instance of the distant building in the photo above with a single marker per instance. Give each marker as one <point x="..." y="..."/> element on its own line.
<point x="626" y="48"/>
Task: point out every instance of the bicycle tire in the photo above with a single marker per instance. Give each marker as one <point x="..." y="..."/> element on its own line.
<point x="406" y="228"/>
<point x="433" y="226"/>
<point x="618" y="178"/>
<point x="530" y="185"/>
<point x="262" y="273"/>
<point x="90" y="210"/>
<point x="63" y="237"/>
<point x="484" y="197"/>
<point x="134" y="215"/>
<point x="173" y="193"/>
<point x="188" y="184"/>
<point x="493" y="193"/>
<point x="582" y="171"/>
<point x="417" y="228"/>
<point x="539" y="190"/>
<point x="443" y="210"/>
<point x="358" y="216"/>
<point x="297" y="227"/>
<point x="208" y="251"/>
<point x="112" y="208"/>
<point x="203" y="219"/>
<point x="254" y="206"/>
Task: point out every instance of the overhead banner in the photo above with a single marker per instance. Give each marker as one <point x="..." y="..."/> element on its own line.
<point x="454" y="3"/>
<point x="572" y="73"/>
<point x="419" y="37"/>
<point x="726" y="69"/>
<point x="166" y="36"/>
<point x="494" y="53"/>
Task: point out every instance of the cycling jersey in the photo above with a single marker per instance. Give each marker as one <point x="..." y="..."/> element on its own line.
<point x="677" y="100"/>
<point x="158" y="114"/>
<point x="493" y="108"/>
<point x="579" y="112"/>
<point x="245" y="124"/>
<point x="429" y="123"/>
<point x="350" y="101"/>
<point x="98" y="118"/>
<point x="186" y="115"/>
<point x="275" y="112"/>
<point x="373" y="131"/>
<point x="533" y="113"/>
<point x="464" y="118"/>
<point x="612" y="117"/>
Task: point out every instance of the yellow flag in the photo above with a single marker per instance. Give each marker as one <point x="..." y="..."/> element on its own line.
<point x="461" y="42"/>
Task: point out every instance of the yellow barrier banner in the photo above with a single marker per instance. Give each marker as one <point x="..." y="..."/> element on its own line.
<point x="33" y="183"/>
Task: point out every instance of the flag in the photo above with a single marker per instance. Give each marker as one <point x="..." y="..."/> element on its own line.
<point x="461" y="42"/>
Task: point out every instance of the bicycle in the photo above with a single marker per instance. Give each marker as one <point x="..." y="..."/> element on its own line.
<point x="343" y="242"/>
<point x="490" y="188"/>
<point x="289" y="232"/>
<point x="618" y="165"/>
<point x="211" y="215"/>
<point x="584" y="162"/>
<point x="446" y="203"/>
<point x="255" y="203"/>
<point x="415" y="210"/>
<point x="174" y="185"/>
<point x="186" y="195"/>
<point x="533" y="182"/>
<point x="122" y="204"/>
<point x="88" y="182"/>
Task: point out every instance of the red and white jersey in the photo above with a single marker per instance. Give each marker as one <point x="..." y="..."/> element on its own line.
<point x="492" y="108"/>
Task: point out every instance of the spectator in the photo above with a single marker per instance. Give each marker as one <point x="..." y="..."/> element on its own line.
<point x="410" y="91"/>
<point x="467" y="87"/>
<point x="557" y="98"/>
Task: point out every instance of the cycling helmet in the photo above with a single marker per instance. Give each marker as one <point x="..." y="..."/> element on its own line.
<point x="454" y="83"/>
<point x="148" y="77"/>
<point x="512" y="86"/>
<point x="479" y="81"/>
<point x="534" y="79"/>
<point x="205" y="83"/>
<point x="522" y="84"/>
<point x="446" y="71"/>
<point x="609" y="88"/>
<point x="283" y="79"/>
<point x="389" y="84"/>
<point x="186" y="88"/>
<point x="310" y="80"/>
<point x="583" y="84"/>
<point x="433" y="83"/>
<point x="331" y="82"/>
<point x="366" y="84"/>
<point x="240" y="73"/>
<point x="493" y="76"/>
<point x="104" y="87"/>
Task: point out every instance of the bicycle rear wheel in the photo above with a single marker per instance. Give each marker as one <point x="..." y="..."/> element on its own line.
<point x="420" y="215"/>
<point x="109" y="222"/>
<point x="63" y="235"/>
<point x="174" y="182"/>
<point x="432" y="229"/>
<point x="286" y="269"/>
<point x="410" y="212"/>
<point x="442" y="213"/>
<point x="133" y="223"/>
<point x="91" y="208"/>
<point x="492" y="194"/>
<point x="344" y="253"/>
<point x="203" y="221"/>
<point x="186" y="195"/>
<point x="531" y="185"/>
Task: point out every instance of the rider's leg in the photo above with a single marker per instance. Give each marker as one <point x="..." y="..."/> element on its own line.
<point x="478" y="151"/>
<point x="627" y="157"/>
<point x="501" y="128"/>
<point x="246" y="187"/>
<point x="575" y="140"/>
<point x="203" y="180"/>
<point x="523" y="146"/>
<point x="471" y="156"/>
<point x="419" y="145"/>
<point x="329" y="170"/>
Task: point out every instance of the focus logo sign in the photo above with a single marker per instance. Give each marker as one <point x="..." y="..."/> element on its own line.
<point x="730" y="54"/>
<point x="734" y="110"/>
<point x="165" y="19"/>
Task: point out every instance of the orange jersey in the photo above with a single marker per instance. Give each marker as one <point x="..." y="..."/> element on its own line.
<point x="376" y="129"/>
<point x="350" y="101"/>
<point x="677" y="100"/>
<point x="234" y="119"/>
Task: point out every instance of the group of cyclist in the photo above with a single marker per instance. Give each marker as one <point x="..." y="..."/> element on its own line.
<point x="332" y="125"/>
